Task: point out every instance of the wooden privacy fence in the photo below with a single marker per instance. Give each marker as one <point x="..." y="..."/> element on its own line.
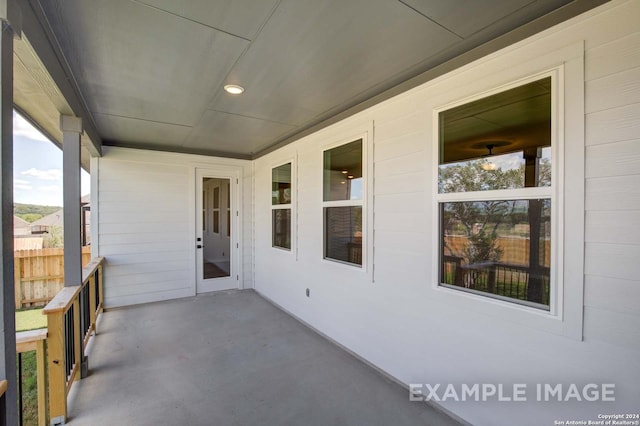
<point x="515" y="250"/>
<point x="39" y="275"/>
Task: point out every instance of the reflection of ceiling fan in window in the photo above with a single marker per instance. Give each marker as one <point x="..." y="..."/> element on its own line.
<point x="490" y="145"/>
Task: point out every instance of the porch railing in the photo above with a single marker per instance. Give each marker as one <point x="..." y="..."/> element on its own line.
<point x="493" y="277"/>
<point x="71" y="318"/>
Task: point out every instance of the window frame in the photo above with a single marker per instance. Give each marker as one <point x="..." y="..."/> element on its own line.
<point x="553" y="192"/>
<point x="290" y="206"/>
<point x="362" y="203"/>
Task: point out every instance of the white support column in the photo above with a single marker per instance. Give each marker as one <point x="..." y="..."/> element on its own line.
<point x="8" y="404"/>
<point x="71" y="131"/>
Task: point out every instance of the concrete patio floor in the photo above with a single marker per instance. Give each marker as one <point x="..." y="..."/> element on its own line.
<point x="230" y="358"/>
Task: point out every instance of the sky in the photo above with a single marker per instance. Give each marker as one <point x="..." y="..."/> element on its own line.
<point x="37" y="167"/>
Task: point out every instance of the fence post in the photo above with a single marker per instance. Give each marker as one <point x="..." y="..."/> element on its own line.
<point x="57" y="368"/>
<point x="17" y="282"/>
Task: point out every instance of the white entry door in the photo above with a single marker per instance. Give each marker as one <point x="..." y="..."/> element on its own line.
<point x="216" y="239"/>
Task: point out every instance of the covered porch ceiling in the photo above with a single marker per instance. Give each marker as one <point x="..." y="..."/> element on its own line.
<point x="149" y="74"/>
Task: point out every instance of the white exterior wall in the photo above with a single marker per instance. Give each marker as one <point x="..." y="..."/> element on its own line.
<point x="391" y="314"/>
<point x="144" y="207"/>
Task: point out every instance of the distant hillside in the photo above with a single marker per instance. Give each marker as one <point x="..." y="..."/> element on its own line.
<point x="33" y="212"/>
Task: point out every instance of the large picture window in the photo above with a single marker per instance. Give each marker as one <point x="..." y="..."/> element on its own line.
<point x="281" y="206"/>
<point x="343" y="203"/>
<point x="495" y="194"/>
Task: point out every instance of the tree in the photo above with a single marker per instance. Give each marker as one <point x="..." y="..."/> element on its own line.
<point x="29" y="217"/>
<point x="54" y="237"/>
<point x="480" y="219"/>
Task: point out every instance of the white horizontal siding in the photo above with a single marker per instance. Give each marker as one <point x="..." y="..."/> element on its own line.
<point x="392" y="315"/>
<point x="619" y="55"/>
<point x="619" y="89"/>
<point x="614" y="294"/>
<point x="146" y="224"/>
<point x="613" y="125"/>
<point x="138" y="227"/>
<point x="400" y="203"/>
<point x="414" y="163"/>
<point x="134" y="193"/>
<point x="142" y="253"/>
<point x="613" y="227"/>
<point x="400" y="222"/>
<point x="612" y="260"/>
<point x="613" y="159"/>
<point x="612" y="192"/>
<point x="405" y="183"/>
<point x="613" y="327"/>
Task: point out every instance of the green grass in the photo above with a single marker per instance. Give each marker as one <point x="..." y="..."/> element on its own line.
<point x="29" y="389"/>
<point x="31" y="319"/>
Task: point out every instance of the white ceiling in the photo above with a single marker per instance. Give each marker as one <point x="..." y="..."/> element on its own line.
<point x="150" y="73"/>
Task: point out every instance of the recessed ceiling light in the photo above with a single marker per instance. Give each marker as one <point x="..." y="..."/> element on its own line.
<point x="234" y="89"/>
<point x="350" y="177"/>
<point x="344" y="172"/>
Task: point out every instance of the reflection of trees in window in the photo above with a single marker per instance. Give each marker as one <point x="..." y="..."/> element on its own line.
<point x="494" y="193"/>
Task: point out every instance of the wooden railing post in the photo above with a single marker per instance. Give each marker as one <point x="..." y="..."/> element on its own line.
<point x="67" y="345"/>
<point x="35" y="340"/>
<point x="57" y="368"/>
<point x="41" y="364"/>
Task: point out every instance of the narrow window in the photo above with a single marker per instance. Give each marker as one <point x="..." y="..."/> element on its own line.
<point x="281" y="206"/>
<point x="343" y="203"/>
<point x="495" y="195"/>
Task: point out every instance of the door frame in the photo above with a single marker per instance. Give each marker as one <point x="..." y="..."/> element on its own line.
<point x="235" y="183"/>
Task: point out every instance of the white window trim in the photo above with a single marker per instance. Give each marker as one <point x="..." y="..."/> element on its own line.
<point x="291" y="206"/>
<point x="565" y="316"/>
<point x="367" y="232"/>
